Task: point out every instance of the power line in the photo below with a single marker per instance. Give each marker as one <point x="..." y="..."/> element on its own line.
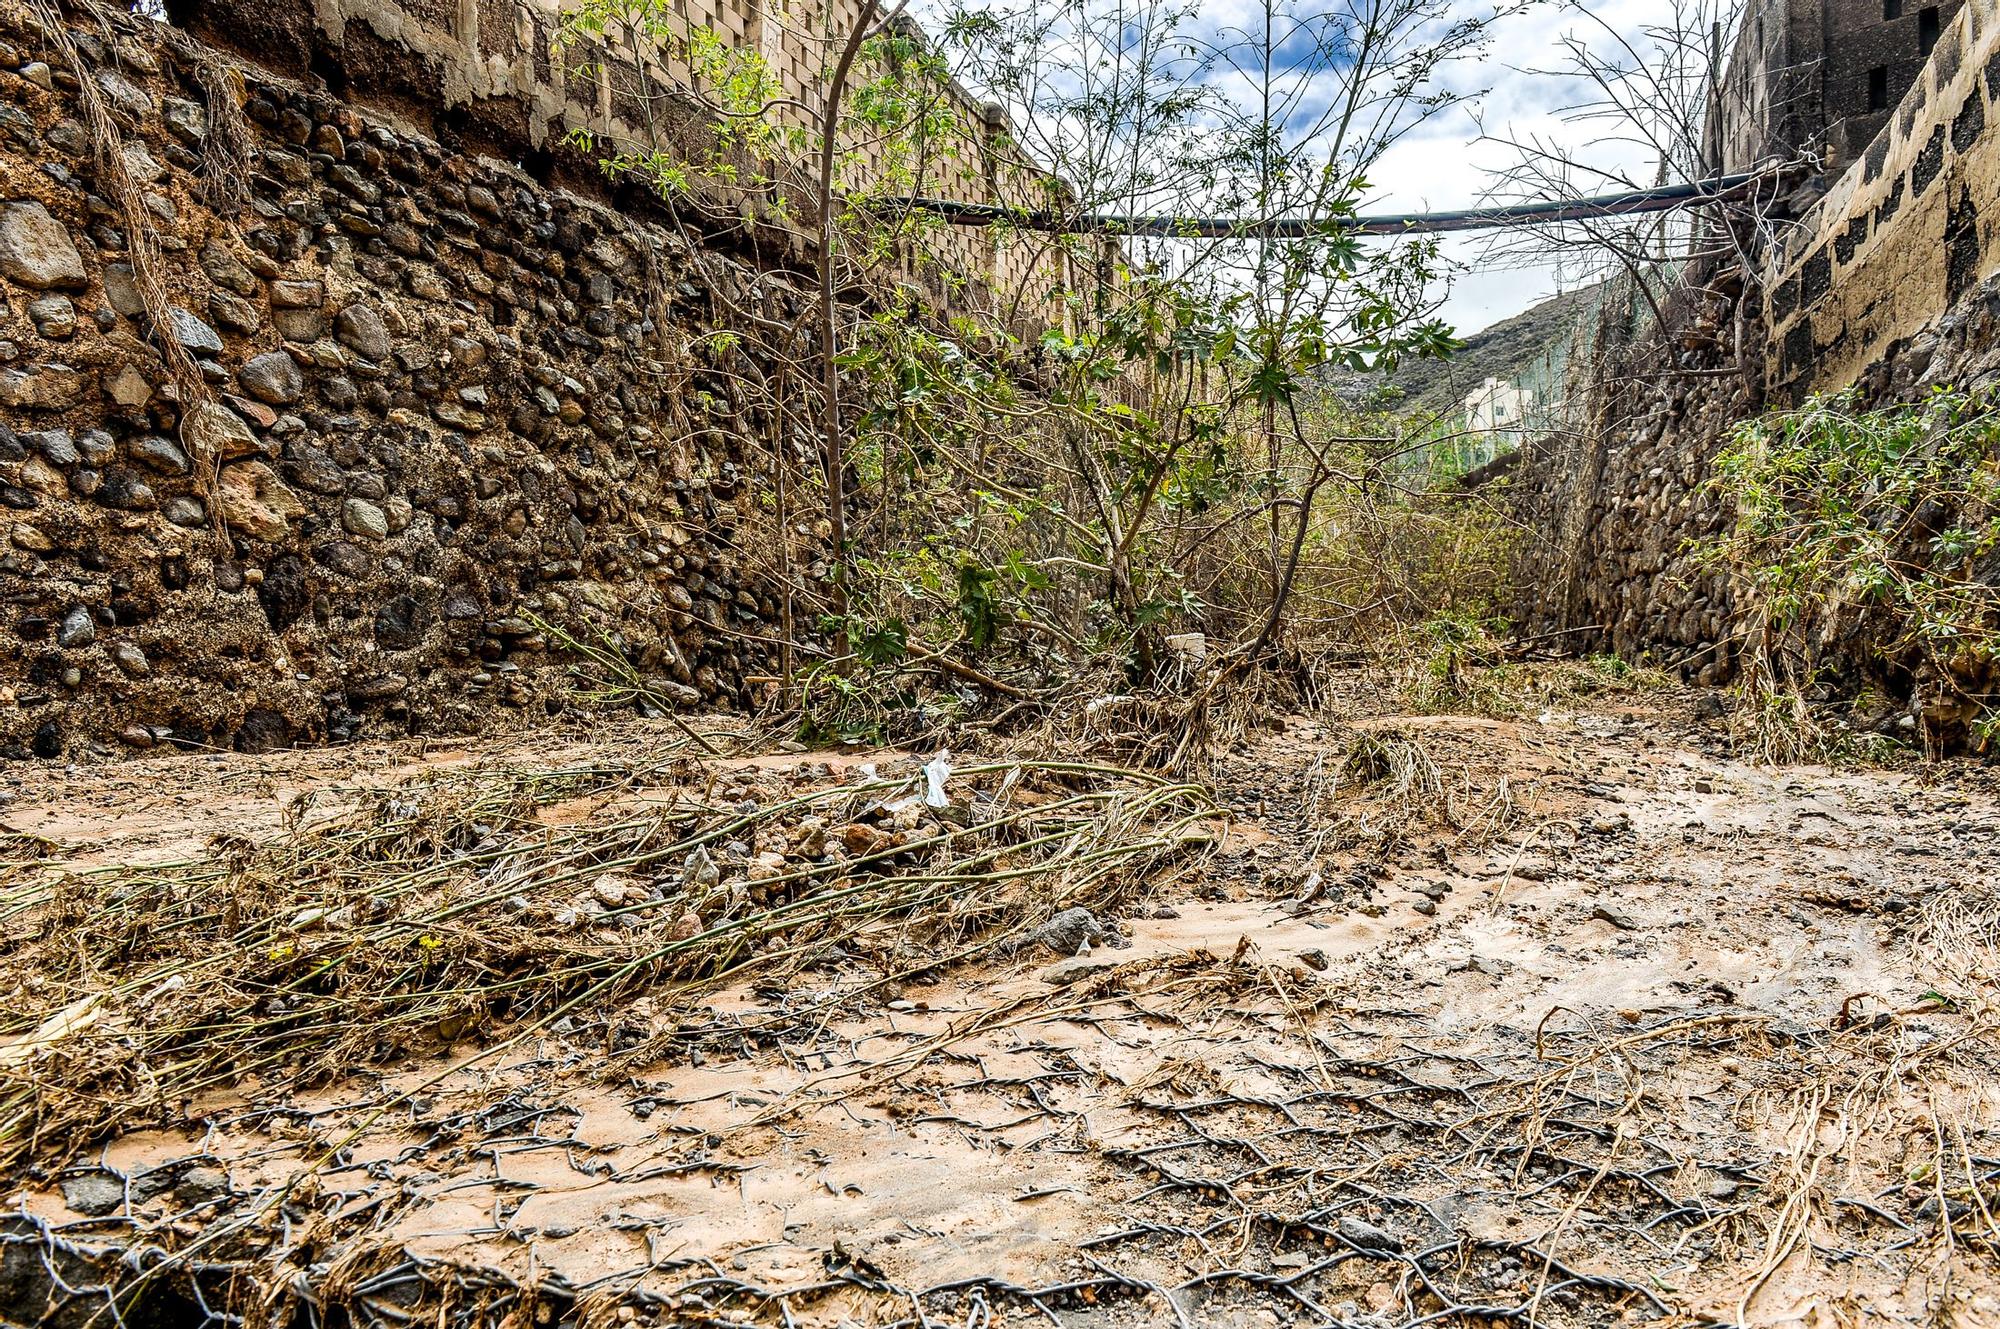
<point x="1660" y="198"/>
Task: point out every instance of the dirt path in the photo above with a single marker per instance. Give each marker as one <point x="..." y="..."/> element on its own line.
<point x="1568" y="1021"/>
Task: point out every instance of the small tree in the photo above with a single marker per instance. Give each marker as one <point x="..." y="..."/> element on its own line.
<point x="1112" y="450"/>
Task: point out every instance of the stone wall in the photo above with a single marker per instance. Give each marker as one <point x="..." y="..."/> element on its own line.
<point x="1889" y="285"/>
<point x="481" y="76"/>
<point x="449" y="403"/>
<point x="1613" y="508"/>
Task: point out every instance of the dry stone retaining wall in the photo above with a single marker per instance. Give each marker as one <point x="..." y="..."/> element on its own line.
<point x="482" y="74"/>
<point x="449" y="404"/>
<point x="1615" y="508"/>
<point x="1889" y="284"/>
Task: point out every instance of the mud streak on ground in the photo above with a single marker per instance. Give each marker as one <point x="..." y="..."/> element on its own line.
<point x="1649" y="1036"/>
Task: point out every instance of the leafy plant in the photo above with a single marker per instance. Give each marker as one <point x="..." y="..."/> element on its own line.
<point x="1874" y="532"/>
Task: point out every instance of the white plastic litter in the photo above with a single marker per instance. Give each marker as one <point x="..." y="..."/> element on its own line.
<point x="936" y="772"/>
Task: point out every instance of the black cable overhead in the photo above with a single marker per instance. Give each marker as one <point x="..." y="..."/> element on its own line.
<point x="1661" y="198"/>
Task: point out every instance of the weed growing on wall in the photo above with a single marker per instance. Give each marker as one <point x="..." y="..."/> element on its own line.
<point x="1886" y="520"/>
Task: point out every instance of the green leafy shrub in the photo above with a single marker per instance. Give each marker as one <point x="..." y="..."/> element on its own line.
<point x="1869" y="538"/>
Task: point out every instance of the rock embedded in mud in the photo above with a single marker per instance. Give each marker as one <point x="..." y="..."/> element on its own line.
<point x="859" y="838"/>
<point x="614" y="891"/>
<point x="273" y="377"/>
<point x="195" y="336"/>
<point x="56" y="447"/>
<point x="256" y="503"/>
<point x="213" y="430"/>
<point x="363" y="518"/>
<point x="36" y="249"/>
<point x="1617" y="918"/>
<point x="124" y="490"/>
<point x="360" y="327"/>
<point x="1077" y="968"/>
<point x="78" y="628"/>
<point x="93" y="1194"/>
<point x="1366" y="1235"/>
<point x="41" y="387"/>
<point x="198" y="1185"/>
<point x="53" y="316"/>
<point x="1071" y="931"/>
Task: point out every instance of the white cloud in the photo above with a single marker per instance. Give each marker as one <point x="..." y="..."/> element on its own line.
<point x="1513" y="93"/>
<point x="1509" y="92"/>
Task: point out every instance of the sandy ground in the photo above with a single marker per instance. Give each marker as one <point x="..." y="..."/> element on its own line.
<point x="1566" y="1020"/>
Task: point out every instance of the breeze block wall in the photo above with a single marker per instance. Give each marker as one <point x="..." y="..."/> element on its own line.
<point x="447" y="404"/>
<point x="1905" y="233"/>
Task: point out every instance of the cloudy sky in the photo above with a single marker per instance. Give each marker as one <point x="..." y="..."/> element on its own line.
<point x="1513" y="90"/>
<point x="1449" y="162"/>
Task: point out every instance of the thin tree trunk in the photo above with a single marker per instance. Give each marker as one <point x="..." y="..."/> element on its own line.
<point x="835" y="449"/>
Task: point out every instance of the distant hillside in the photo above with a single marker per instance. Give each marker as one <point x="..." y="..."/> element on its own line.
<point x="1437" y="386"/>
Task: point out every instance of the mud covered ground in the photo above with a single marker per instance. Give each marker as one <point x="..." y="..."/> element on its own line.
<point x="1564" y="1020"/>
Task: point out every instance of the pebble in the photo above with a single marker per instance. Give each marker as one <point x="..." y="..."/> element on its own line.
<point x="93" y="1193"/>
<point x="200" y="1184"/>
<point x="859" y="838"/>
<point x="613" y="890"/>
<point x="700" y="872"/>
<point x="131" y="659"/>
<point x="1071" y="931"/>
<point x="78" y="628"/>
<point x="1366" y="1235"/>
<point x="1615" y="917"/>
<point x="363" y="518"/>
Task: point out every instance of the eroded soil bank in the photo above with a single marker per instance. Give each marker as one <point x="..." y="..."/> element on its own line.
<point x="1567" y="1020"/>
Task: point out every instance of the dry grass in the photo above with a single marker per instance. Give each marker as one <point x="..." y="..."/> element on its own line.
<point x="492" y="900"/>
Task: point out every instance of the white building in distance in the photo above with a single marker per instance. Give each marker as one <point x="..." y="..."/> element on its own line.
<point x="1496" y="416"/>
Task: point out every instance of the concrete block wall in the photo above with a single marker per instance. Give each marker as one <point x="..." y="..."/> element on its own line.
<point x="1905" y="231"/>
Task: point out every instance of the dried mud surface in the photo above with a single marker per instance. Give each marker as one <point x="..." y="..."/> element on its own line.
<point x="1566" y="1020"/>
